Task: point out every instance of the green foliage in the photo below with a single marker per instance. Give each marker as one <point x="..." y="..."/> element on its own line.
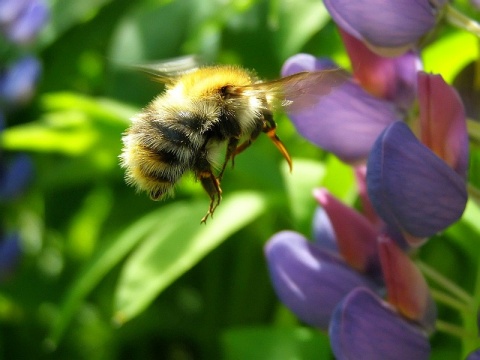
<point x="106" y="272"/>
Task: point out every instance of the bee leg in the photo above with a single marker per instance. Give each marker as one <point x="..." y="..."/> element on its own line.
<point x="246" y="144"/>
<point x="269" y="128"/>
<point x="231" y="149"/>
<point x="212" y="186"/>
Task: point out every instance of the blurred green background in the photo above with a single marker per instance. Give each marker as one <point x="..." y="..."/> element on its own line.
<point x="108" y="274"/>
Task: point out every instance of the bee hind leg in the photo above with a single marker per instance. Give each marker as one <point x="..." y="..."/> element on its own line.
<point x="243" y="146"/>
<point x="231" y="149"/>
<point x="212" y="186"/>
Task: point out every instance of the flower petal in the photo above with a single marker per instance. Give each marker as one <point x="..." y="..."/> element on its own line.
<point x="10" y="251"/>
<point x="10" y="9"/>
<point x="443" y="121"/>
<point x="346" y="121"/>
<point x="385" y="24"/>
<point x="410" y="187"/>
<point x="18" y="84"/>
<point x="308" y="280"/>
<point x="323" y="233"/>
<point x="15" y="176"/>
<point x="474" y="355"/>
<point x="393" y="79"/>
<point x="28" y="23"/>
<point x="365" y="327"/>
<point x="356" y="236"/>
<point x="406" y="287"/>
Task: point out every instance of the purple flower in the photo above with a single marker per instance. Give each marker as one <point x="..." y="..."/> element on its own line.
<point x="365" y="327"/>
<point x="309" y="280"/>
<point x="414" y="189"/>
<point x="14" y="176"/>
<point x="21" y="20"/>
<point x="355" y="236"/>
<point x="322" y="284"/>
<point x="388" y="27"/>
<point x="474" y="355"/>
<point x="9" y="254"/>
<point x="347" y="121"/>
<point x="17" y="83"/>
<point x="392" y="79"/>
<point x="10" y="9"/>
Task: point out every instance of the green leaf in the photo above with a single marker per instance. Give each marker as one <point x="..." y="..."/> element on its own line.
<point x="460" y="43"/>
<point x="340" y="180"/>
<point x="275" y="343"/>
<point x="295" y="23"/>
<point x="178" y="244"/>
<point x="306" y="175"/>
<point x="66" y="13"/>
<point x="73" y="125"/>
<point x="105" y="260"/>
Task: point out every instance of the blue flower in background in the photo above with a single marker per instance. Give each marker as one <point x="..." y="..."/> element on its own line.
<point x="20" y="23"/>
<point x="10" y="252"/>
<point x="17" y="83"/>
<point x="21" y="20"/>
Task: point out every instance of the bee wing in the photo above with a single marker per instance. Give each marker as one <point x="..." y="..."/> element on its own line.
<point x="301" y="90"/>
<point x="167" y="71"/>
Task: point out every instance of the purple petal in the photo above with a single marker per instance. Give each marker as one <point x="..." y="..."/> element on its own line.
<point x="346" y="121"/>
<point x="10" y="9"/>
<point x="365" y="327"/>
<point x="28" y="23"/>
<point x="308" y="280"/>
<point x="410" y="187"/>
<point x="323" y="233"/>
<point x="475" y="4"/>
<point x="19" y="82"/>
<point x="10" y="252"/>
<point x="385" y="24"/>
<point x="306" y="62"/>
<point x="393" y="79"/>
<point x="15" y="176"/>
<point x="474" y="355"/>
<point x="443" y="121"/>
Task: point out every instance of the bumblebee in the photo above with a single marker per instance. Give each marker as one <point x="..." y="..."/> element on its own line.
<point x="201" y="112"/>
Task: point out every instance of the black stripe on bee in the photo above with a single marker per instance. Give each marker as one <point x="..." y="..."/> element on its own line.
<point x="161" y="177"/>
<point x="172" y="133"/>
<point x="161" y="155"/>
<point x="191" y="122"/>
<point x="227" y="126"/>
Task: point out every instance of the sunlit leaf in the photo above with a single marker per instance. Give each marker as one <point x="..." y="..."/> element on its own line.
<point x="297" y="22"/>
<point x="179" y="243"/>
<point x="275" y="343"/>
<point x="73" y="125"/>
<point x="66" y="13"/>
<point x="306" y="175"/>
<point x="460" y="43"/>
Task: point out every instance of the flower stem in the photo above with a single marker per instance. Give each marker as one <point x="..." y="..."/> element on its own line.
<point x="455" y="290"/>
<point x="441" y="297"/>
<point x="462" y="21"/>
<point x="453" y="330"/>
